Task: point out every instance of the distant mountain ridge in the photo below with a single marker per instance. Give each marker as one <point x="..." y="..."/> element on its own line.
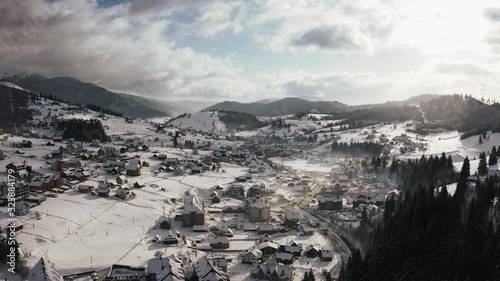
<point x="78" y="92"/>
<point x="280" y="107"/>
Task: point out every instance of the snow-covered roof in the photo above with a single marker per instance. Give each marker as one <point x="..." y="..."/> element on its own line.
<point x="206" y="271"/>
<point x="193" y="204"/>
<point x="166" y="269"/>
<point x="44" y="271"/>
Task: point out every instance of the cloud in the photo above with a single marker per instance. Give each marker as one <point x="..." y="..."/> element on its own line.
<point x="328" y="37"/>
<point x="462" y="68"/>
<point x="107" y="46"/>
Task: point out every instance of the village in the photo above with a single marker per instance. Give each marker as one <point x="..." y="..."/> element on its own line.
<point x="190" y="200"/>
<point x="214" y="202"/>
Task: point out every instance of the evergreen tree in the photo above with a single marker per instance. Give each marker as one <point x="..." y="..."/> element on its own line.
<point x="465" y="172"/>
<point x="482" y="169"/>
<point x="493" y="160"/>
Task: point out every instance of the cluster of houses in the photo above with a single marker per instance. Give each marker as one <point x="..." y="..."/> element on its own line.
<point x="158" y="269"/>
<point x="273" y="261"/>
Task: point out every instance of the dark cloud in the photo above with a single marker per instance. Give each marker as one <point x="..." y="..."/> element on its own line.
<point x="327" y="37"/>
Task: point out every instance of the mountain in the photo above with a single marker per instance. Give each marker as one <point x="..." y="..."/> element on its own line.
<point x="185" y="106"/>
<point x="13" y="107"/>
<point x="280" y="107"/>
<point x="78" y="92"/>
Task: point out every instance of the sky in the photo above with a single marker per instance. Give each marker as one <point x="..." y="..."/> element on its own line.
<point x="352" y="51"/>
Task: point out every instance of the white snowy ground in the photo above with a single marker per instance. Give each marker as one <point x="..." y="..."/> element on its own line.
<point x="80" y="231"/>
<point x="200" y="121"/>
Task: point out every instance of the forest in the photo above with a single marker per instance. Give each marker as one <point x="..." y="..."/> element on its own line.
<point x="428" y="234"/>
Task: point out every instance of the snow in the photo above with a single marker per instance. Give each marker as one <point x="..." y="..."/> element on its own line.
<point x="208" y="122"/>
<point x="11" y="85"/>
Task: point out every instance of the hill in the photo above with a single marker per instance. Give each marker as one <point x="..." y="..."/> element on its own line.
<point x="216" y="121"/>
<point x="13" y="107"/>
<point x="279" y="107"/>
<point x="78" y="92"/>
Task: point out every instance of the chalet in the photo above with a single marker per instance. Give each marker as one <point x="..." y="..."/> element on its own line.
<point x="57" y="180"/>
<point x="74" y="148"/>
<point x="284" y="258"/>
<point x="219" y="242"/>
<point x="85" y="188"/>
<point x="38" y="185"/>
<point x="103" y="188"/>
<point x="205" y="270"/>
<point x="268" y="248"/>
<point x="236" y="190"/>
<point x="171" y="162"/>
<point x="273" y="271"/>
<point x="254" y="191"/>
<point x="252" y="256"/>
<point x="127" y="273"/>
<point x="330" y="202"/>
<point x="265" y="228"/>
<point x="363" y="199"/>
<point x="312" y="251"/>
<point x="25" y="144"/>
<point x="133" y="170"/>
<point x="220" y="262"/>
<point x="170" y="239"/>
<point x="196" y="170"/>
<point x="166" y="269"/>
<point x="121" y="180"/>
<point x="326" y="255"/>
<point x="193" y="212"/>
<point x="291" y="218"/>
<point x="16" y="167"/>
<point x="122" y="192"/>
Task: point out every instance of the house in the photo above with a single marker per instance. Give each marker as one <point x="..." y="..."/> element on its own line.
<point x="57" y="180"/>
<point x="265" y="228"/>
<point x="272" y="271"/>
<point x="205" y="270"/>
<point x="127" y="273"/>
<point x="268" y="248"/>
<point x="44" y="271"/>
<point x="332" y="202"/>
<point x="103" y="188"/>
<point x="219" y="242"/>
<point x="312" y="251"/>
<point x="170" y="239"/>
<point x="258" y="210"/>
<point x="121" y="180"/>
<point x="326" y="255"/>
<point x="284" y="258"/>
<point x="291" y="218"/>
<point x="363" y="199"/>
<point x="166" y="269"/>
<point x="252" y="256"/>
<point x="171" y="162"/>
<point x="193" y="212"/>
<point x="221" y="263"/>
<point x="21" y="208"/>
<point x="85" y="188"/>
<point x="196" y="170"/>
<point x="122" y="192"/>
<point x="236" y="190"/>
<point x="254" y="191"/>
<point x="133" y="169"/>
<point x="60" y="165"/>
<point x="38" y="185"/>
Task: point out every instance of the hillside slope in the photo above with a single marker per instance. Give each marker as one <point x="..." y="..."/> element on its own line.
<point x="279" y="107"/>
<point x="78" y="92"/>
